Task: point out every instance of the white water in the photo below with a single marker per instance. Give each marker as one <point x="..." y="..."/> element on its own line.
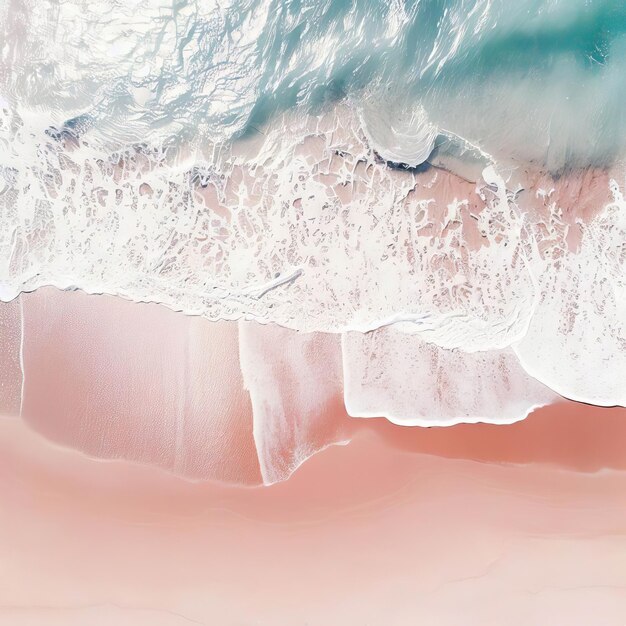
<point x="415" y="383"/>
<point x="161" y="154"/>
<point x="300" y="225"/>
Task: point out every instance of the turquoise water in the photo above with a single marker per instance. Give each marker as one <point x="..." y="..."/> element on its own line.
<point x="532" y="80"/>
<point x="542" y="81"/>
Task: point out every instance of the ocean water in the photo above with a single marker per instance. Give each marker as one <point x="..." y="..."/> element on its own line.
<point x="479" y="68"/>
<point x="534" y="80"/>
<point x="453" y="170"/>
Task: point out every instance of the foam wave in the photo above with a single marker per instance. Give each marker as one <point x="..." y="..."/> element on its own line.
<point x="307" y="229"/>
<point x="168" y="156"/>
<point x="294" y="381"/>
<point x="415" y="383"/>
<point x="580" y="321"/>
<point x="399" y="134"/>
<point x="344" y="230"/>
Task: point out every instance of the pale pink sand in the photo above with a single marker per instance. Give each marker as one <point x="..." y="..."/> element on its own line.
<point x="117" y="379"/>
<point x="472" y="524"/>
<point x="363" y="534"/>
<point x="10" y="369"/>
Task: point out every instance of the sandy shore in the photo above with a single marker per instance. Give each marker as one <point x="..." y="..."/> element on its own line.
<point x="119" y="380"/>
<point x="119" y="508"/>
<point x="489" y="526"/>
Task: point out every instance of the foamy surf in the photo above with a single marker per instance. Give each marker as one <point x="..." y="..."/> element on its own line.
<point x="310" y="230"/>
<point x="445" y="195"/>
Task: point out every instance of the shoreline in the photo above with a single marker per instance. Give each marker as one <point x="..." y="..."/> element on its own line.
<point x="78" y="348"/>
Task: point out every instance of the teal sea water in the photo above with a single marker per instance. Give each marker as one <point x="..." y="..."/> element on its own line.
<point x="536" y="80"/>
<point x="543" y="81"/>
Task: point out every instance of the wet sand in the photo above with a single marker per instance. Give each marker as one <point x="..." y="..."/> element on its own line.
<point x="499" y="528"/>
<point x="476" y="524"/>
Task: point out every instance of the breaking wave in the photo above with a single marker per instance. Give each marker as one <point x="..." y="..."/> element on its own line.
<point x="439" y="182"/>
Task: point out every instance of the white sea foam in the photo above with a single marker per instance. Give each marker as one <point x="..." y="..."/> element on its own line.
<point x="576" y="342"/>
<point x="294" y="380"/>
<point x="119" y="174"/>
<point x="400" y="132"/>
<point x="415" y="383"/>
<point x="302" y="226"/>
<point x="309" y="232"/>
<point x="137" y="71"/>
